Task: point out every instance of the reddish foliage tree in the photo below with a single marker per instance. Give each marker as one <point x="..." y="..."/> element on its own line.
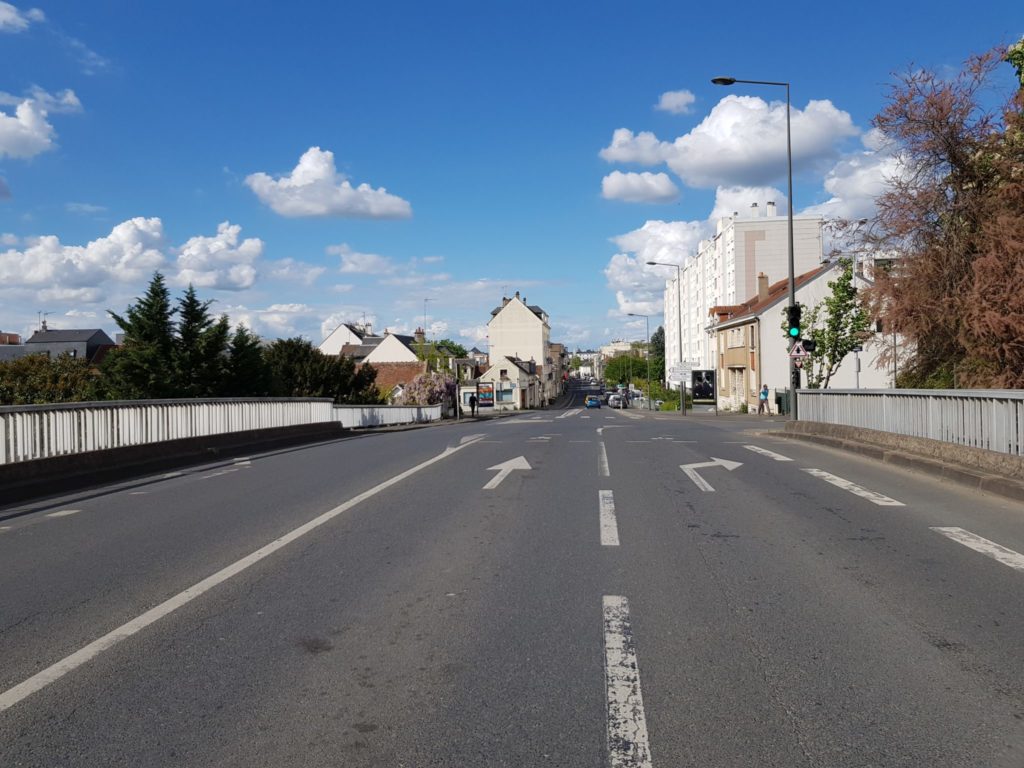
<point x="947" y="211"/>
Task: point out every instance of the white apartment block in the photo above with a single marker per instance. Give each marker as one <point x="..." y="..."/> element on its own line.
<point x="724" y="271"/>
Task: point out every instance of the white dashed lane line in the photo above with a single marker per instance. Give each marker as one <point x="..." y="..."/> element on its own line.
<point x="602" y="462"/>
<point x="872" y="496"/>
<point x="628" y="744"/>
<point x="64" y="513"/>
<point x="609" y="528"/>
<point x="766" y="452"/>
<point x="996" y="551"/>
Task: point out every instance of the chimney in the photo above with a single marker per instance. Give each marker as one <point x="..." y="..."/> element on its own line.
<point x="770" y="208"/>
<point x="762" y="286"/>
<point x="419" y="336"/>
<point x="754" y="211"/>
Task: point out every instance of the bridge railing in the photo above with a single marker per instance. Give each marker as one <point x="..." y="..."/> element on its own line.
<point x="992" y="419"/>
<point x="42" y="431"/>
<point x="353" y="416"/>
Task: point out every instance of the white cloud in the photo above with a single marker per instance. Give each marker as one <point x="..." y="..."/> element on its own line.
<point x="315" y="188"/>
<point x="643" y="187"/>
<point x="416" y="279"/>
<point x="730" y="200"/>
<point x="275" y="321"/>
<point x="83" y="208"/>
<point x="77" y="295"/>
<point x="432" y="259"/>
<point x="8" y="239"/>
<point x="219" y="262"/>
<point x="643" y="148"/>
<point x="342" y="287"/>
<point x="356" y="263"/>
<point x="676" y="102"/>
<point x="437" y="329"/>
<point x="129" y="253"/>
<point x="297" y="271"/>
<point x="351" y="315"/>
<point x="13" y="21"/>
<point x="80" y="313"/>
<point x="741" y="141"/>
<point x="857" y="180"/>
<point x="475" y="333"/>
<point x="27" y="132"/>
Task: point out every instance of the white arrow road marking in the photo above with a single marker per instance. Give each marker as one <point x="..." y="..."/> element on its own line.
<point x="700" y="482"/>
<point x="505" y="469"/>
<point x="986" y="547"/>
<point x="628" y="745"/>
<point x="875" y="498"/>
<point x="468" y="438"/>
<point x="766" y="452"/>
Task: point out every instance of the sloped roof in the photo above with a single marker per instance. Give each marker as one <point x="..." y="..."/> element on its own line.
<point x="729" y="314"/>
<point x="390" y="375"/>
<point x="70" y="335"/>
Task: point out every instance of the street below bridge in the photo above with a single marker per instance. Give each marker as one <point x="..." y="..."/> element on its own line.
<point x="567" y="587"/>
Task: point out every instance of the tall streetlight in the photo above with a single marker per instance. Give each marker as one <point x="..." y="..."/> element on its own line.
<point x="679" y="317"/>
<point x="794" y="372"/>
<point x="647" y="322"/>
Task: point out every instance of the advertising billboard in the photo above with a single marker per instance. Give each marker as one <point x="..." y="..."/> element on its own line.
<point x="485" y="395"/>
<point x="703" y="387"/>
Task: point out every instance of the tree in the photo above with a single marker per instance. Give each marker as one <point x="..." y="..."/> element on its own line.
<point x="456" y="350"/>
<point x="836" y="325"/>
<point x="200" y="349"/>
<point x="142" y="367"/>
<point x="657" y="354"/>
<point x="246" y="374"/>
<point x="952" y="218"/>
<point x="428" y="388"/>
<point x="298" y="369"/>
<point x="37" y="379"/>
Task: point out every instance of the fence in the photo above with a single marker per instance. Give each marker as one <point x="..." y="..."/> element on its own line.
<point x="42" y="431"/>
<point x="992" y="419"/>
<point x="352" y="416"/>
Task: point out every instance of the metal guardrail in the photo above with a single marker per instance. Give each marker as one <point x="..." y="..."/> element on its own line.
<point x="43" y="431"/>
<point x="353" y="416"/>
<point x="992" y="419"/>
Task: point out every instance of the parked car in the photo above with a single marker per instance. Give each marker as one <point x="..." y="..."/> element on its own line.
<point x="592" y="401"/>
<point x="617" y="401"/>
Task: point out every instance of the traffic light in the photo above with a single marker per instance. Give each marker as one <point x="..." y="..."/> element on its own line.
<point x="793" y="320"/>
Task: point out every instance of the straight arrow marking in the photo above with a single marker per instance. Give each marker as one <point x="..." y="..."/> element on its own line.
<point x="504" y="470"/>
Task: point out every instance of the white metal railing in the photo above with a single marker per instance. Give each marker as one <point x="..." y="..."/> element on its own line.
<point x="42" y="431"/>
<point x="352" y="416"/>
<point x="992" y="419"/>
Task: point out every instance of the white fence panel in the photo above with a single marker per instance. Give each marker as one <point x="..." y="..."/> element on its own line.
<point x="992" y="419"/>
<point x="42" y="431"/>
<point x="355" y="416"/>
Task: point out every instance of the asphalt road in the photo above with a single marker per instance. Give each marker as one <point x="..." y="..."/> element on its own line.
<point x="369" y="602"/>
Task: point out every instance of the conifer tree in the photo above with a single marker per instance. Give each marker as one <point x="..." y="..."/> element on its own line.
<point x="142" y="367"/>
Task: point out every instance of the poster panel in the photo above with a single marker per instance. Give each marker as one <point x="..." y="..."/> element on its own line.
<point x="703" y="387"/>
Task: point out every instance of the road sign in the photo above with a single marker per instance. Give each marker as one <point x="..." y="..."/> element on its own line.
<point x="798" y="351"/>
<point x="676" y="378"/>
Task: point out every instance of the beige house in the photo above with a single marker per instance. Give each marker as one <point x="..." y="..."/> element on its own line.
<point x="514" y="384"/>
<point x="520" y="331"/>
<point x="751" y="348"/>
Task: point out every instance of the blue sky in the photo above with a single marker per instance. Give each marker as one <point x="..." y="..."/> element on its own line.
<point x="504" y="146"/>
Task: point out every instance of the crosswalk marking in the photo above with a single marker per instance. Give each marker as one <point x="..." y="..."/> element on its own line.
<point x="872" y="496"/>
<point x="978" y="544"/>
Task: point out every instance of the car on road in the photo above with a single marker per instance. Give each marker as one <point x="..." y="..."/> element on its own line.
<point x="617" y="401"/>
<point x="592" y="401"/>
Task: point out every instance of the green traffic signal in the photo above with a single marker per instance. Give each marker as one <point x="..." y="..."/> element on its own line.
<point x="793" y="318"/>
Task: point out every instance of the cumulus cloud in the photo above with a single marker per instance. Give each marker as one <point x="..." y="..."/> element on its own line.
<point x="475" y="333"/>
<point x="350" y="315"/>
<point x="28" y="132"/>
<point x="220" y="262"/>
<point x="315" y="188"/>
<point x="276" y="320"/>
<point x="354" y="262"/>
<point x="643" y="187"/>
<point x="741" y="141"/>
<point x="736" y="199"/>
<point x="13" y="21"/>
<point x="676" y="102"/>
<point x="857" y="179"/>
<point x="644" y="148"/>
<point x="296" y="271"/>
<point x="128" y="254"/>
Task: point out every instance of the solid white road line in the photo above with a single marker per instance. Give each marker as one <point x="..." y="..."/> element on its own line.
<point x="628" y="745"/>
<point x="875" y="498"/>
<point x="986" y="547"/>
<point x="602" y="462"/>
<point x="766" y="452"/>
<point x="56" y="671"/>
<point x="609" y="528"/>
<point x="64" y="513"/>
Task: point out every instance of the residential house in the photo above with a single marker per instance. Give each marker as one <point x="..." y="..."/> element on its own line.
<point x="88" y="344"/>
<point x="509" y="385"/>
<point x="752" y="348"/>
<point x="520" y="331"/>
<point x="346" y="334"/>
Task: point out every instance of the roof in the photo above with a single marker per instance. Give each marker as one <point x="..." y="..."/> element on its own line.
<point x="390" y="375"/>
<point x="532" y="307"/>
<point x="752" y="307"/>
<point x="70" y="335"/>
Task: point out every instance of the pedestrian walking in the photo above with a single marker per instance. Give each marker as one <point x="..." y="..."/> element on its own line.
<point x="762" y="401"/>
<point x="472" y="405"/>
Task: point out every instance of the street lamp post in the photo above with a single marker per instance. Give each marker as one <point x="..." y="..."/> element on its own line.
<point x="647" y="322"/>
<point x="794" y="372"/>
<point x="679" y="318"/>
